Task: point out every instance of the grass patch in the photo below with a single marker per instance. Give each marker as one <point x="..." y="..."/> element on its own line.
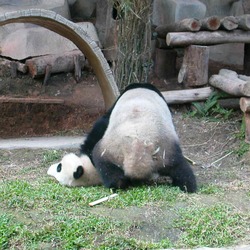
<point x="217" y="225"/>
<point x="210" y="189"/>
<point x="50" y="156"/>
<point x="41" y="214"/>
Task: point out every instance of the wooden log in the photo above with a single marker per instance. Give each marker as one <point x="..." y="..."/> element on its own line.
<point x="187" y="95"/>
<point x="244" y="22"/>
<point x="4" y="99"/>
<point x="59" y="63"/>
<point x="234" y="87"/>
<point x="194" y="69"/>
<point x="188" y="24"/>
<point x="207" y="37"/>
<point x="245" y="107"/>
<point x="228" y="73"/>
<point x="244" y="77"/>
<point x="210" y="23"/>
<point x="245" y="104"/>
<point x="229" y="23"/>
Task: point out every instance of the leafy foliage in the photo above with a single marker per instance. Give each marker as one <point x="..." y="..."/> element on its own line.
<point x="211" y="108"/>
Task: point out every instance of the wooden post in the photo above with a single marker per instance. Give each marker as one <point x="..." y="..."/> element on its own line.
<point x="247" y="59"/>
<point x="194" y="69"/>
<point x="245" y="107"/>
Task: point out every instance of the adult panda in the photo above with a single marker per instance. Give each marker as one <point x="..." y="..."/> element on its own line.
<point x="136" y="141"/>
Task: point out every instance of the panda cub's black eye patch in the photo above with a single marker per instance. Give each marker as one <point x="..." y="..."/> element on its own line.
<point x="59" y="167"/>
<point x="79" y="172"/>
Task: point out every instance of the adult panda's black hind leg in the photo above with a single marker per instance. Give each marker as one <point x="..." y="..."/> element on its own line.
<point x="180" y="171"/>
<point x="112" y="176"/>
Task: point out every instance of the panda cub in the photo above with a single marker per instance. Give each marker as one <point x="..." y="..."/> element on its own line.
<point x="134" y="141"/>
<point x="75" y="171"/>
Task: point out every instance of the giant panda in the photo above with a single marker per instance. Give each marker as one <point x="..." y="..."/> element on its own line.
<point x="135" y="141"/>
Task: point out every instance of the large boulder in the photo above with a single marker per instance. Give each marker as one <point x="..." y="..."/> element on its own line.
<point x="34" y="41"/>
<point x="170" y="11"/>
<point x="59" y="6"/>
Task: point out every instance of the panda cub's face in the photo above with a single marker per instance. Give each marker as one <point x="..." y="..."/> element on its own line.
<point x="69" y="171"/>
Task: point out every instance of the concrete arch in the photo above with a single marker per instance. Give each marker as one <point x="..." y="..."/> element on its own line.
<point x="64" y="27"/>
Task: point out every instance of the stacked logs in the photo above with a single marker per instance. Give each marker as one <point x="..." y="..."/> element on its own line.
<point x="212" y="23"/>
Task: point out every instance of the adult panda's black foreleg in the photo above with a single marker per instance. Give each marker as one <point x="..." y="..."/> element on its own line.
<point x="112" y="176"/>
<point x="182" y="176"/>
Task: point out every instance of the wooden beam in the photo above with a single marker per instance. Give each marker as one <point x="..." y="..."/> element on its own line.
<point x="4" y="99"/>
<point x="207" y="37"/>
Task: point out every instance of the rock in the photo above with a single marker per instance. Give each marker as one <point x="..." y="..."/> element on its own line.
<point x="170" y="11"/>
<point x="220" y="8"/>
<point x="106" y="29"/>
<point x="83" y="9"/>
<point x="36" y="41"/>
<point x="59" y="6"/>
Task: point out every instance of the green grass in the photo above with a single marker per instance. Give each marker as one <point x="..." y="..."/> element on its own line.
<point x="216" y="225"/>
<point x="43" y="214"/>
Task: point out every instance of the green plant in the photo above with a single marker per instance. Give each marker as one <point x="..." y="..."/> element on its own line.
<point x="211" y="107"/>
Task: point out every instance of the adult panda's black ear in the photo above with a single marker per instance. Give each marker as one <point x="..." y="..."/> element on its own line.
<point x="79" y="172"/>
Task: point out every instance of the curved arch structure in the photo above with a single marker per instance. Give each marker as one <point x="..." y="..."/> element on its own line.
<point x="64" y="27"/>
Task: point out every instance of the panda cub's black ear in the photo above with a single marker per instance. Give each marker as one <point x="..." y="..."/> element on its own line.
<point x="79" y="172"/>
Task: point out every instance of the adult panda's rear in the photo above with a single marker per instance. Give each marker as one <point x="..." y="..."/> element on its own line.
<point x="140" y="142"/>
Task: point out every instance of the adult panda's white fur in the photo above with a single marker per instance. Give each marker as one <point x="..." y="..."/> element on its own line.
<point x="75" y="171"/>
<point x="139" y="134"/>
